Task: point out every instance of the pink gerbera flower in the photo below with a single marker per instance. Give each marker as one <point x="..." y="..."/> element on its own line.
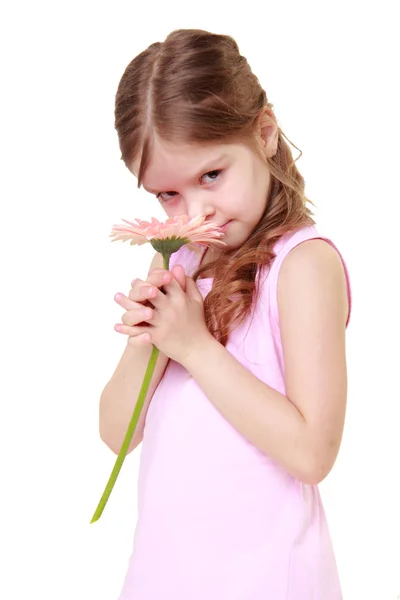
<point x="169" y="236"/>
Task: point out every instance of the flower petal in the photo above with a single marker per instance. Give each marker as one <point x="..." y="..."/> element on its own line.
<point x="193" y="231"/>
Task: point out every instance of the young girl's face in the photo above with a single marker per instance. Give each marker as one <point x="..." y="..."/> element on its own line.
<point x="227" y="183"/>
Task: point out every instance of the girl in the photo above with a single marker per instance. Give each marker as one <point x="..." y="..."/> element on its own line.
<point x="247" y="404"/>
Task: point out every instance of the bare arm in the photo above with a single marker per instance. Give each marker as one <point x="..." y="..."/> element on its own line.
<point x="302" y="431"/>
<point x="119" y="396"/>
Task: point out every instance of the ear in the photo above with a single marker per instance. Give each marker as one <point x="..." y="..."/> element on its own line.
<point x="267" y="132"/>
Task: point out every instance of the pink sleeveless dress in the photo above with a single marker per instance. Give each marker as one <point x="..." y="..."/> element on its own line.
<point x="217" y="518"/>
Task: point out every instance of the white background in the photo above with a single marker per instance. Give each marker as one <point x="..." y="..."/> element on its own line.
<point x="331" y="71"/>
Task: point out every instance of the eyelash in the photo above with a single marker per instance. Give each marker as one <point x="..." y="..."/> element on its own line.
<point x="159" y="195"/>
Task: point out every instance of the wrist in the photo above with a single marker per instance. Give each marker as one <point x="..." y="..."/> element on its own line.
<point x="197" y="350"/>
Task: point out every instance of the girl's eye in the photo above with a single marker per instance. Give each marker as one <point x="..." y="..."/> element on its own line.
<point x="213" y="175"/>
<point x="166" y="195"/>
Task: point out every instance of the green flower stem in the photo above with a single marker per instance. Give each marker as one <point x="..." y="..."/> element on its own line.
<point x="132" y="424"/>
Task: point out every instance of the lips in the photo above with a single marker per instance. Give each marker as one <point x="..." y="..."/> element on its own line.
<point x="225" y="226"/>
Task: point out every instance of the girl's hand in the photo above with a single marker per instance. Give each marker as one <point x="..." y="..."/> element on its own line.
<point x="138" y="302"/>
<point x="177" y="321"/>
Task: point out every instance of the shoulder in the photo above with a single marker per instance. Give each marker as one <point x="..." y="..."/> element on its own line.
<point x="313" y="273"/>
<point x="313" y="256"/>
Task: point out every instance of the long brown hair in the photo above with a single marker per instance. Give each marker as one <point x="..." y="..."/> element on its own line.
<point x="195" y="87"/>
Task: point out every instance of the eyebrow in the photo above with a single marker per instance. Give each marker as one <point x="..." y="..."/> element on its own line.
<point x="205" y="169"/>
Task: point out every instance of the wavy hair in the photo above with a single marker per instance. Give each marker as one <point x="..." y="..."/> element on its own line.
<point x="195" y="87"/>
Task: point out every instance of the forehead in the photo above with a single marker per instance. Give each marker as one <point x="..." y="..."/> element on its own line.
<point x="176" y="163"/>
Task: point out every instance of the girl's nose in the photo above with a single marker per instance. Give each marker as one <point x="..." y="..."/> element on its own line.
<point x="200" y="208"/>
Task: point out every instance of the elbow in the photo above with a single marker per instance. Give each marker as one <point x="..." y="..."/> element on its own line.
<point x="112" y="428"/>
<point x="105" y="435"/>
<point x="315" y="475"/>
<point x="106" y="439"/>
<point x="319" y="458"/>
<point x="317" y="467"/>
<point x="113" y="441"/>
<point x="108" y="442"/>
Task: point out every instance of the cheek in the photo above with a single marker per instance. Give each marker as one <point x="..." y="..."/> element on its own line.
<point x="235" y="195"/>
<point x="262" y="179"/>
<point x="173" y="208"/>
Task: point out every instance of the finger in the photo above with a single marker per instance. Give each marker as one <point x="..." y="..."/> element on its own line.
<point x="172" y="289"/>
<point x="143" y="292"/>
<point x="124" y="301"/>
<point x="128" y="304"/>
<point x="137" y="315"/>
<point x="179" y="273"/>
<point x="158" y="277"/>
<point x="192" y="290"/>
<point x="133" y="332"/>
<point x="139" y="340"/>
